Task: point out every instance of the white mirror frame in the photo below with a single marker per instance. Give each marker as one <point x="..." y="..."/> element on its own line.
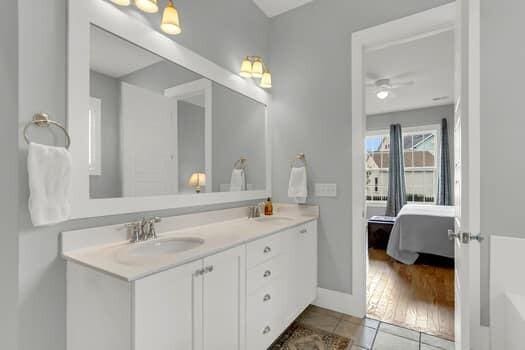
<point x="81" y="14"/>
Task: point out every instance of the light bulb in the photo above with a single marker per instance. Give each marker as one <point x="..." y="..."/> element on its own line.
<point x="149" y="6"/>
<point x="382" y="94"/>
<point x="266" y="80"/>
<point x="246" y="68"/>
<point x="170" y="20"/>
<point x="121" y="2"/>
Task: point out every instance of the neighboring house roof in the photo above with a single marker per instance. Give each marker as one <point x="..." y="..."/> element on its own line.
<point x="412" y="159"/>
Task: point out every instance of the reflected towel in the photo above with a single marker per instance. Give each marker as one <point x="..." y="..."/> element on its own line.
<point x="49" y="169"/>
<point x="297" y="187"/>
<point x="238" y="180"/>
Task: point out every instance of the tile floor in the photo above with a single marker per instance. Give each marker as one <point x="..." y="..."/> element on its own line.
<point x="371" y="334"/>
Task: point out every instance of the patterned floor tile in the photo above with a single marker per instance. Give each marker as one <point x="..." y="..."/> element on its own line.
<point x="361" y="335"/>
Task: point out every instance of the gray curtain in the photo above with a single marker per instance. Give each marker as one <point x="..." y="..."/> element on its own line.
<point x="444" y="195"/>
<point x="396" y="173"/>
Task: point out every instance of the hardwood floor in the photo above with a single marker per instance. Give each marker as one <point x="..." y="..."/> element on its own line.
<point x="419" y="297"/>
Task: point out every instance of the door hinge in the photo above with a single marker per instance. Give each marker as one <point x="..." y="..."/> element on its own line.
<point x="465" y="237"/>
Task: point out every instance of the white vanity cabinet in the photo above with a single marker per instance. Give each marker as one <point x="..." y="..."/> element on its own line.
<point x="242" y="298"/>
<point x="196" y="306"/>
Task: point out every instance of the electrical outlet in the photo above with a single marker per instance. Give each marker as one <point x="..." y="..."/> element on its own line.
<point x="326" y="190"/>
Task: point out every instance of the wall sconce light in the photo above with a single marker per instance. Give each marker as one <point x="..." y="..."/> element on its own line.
<point x="170" y="22"/>
<point x="197" y="180"/>
<point x="254" y="67"/>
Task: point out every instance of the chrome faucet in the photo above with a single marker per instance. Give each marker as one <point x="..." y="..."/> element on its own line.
<point x="256" y="210"/>
<point x="144" y="229"/>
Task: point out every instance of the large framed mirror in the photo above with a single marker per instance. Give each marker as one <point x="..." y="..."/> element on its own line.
<point x="154" y="125"/>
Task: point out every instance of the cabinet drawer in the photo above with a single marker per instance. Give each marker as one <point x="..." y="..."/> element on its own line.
<point x="263" y="249"/>
<point x="263" y="274"/>
<point x="262" y="304"/>
<point x="262" y="334"/>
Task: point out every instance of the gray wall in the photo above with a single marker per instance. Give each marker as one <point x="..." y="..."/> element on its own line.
<point x="191" y="143"/>
<point x="222" y="31"/>
<point x="238" y="131"/>
<point x="413" y="118"/>
<point x="311" y="110"/>
<point x="502" y="125"/>
<point x="9" y="175"/>
<point x="108" y="184"/>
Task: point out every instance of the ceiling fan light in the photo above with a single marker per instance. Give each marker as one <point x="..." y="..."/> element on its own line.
<point x="246" y="68"/>
<point x="266" y="80"/>
<point x="382" y="94"/>
<point x="148" y="6"/>
<point x="257" y="69"/>
<point x="121" y="2"/>
<point x="170" y="20"/>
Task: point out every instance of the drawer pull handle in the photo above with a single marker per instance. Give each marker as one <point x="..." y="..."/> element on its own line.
<point x="303" y="231"/>
<point x="267" y="297"/>
<point x="267" y="273"/>
<point x="266" y="330"/>
<point x="267" y="250"/>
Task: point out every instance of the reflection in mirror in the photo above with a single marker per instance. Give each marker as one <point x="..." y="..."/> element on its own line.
<point x="156" y="128"/>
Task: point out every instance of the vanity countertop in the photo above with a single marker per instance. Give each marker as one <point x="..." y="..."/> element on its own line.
<point x="219" y="236"/>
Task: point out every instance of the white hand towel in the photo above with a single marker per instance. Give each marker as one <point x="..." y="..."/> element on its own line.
<point x="297" y="187"/>
<point x="238" y="180"/>
<point x="49" y="169"/>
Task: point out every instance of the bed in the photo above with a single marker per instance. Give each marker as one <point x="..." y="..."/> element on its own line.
<point x="421" y="229"/>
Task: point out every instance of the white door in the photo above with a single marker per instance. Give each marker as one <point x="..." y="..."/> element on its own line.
<point x="148" y="142"/>
<point x="224" y="300"/>
<point x="466" y="182"/>
<point x="168" y="309"/>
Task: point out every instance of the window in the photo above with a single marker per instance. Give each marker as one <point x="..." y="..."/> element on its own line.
<point x="94" y="135"/>
<point x="420" y="150"/>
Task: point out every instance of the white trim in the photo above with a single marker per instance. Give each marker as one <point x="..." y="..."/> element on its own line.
<point x="95" y="136"/>
<point x="106" y="16"/>
<point x="191" y="89"/>
<point x="337" y="301"/>
<point x="428" y="22"/>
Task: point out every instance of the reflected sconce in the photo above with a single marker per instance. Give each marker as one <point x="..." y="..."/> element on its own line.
<point x="197" y="180"/>
<point x="170" y="22"/>
<point x="254" y="67"/>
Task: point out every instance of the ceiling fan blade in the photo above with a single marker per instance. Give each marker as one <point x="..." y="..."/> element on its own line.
<point x="372" y="76"/>
<point x="401" y="84"/>
<point x="402" y="75"/>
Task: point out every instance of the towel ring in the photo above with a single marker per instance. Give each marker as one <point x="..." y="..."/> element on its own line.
<point x="299" y="161"/>
<point x="240" y="164"/>
<point x="42" y="120"/>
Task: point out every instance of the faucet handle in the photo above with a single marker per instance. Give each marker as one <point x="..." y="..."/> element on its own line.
<point x="134" y="228"/>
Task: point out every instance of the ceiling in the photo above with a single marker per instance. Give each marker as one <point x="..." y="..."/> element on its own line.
<point x="428" y="62"/>
<point x="275" y="7"/>
<point x="116" y="57"/>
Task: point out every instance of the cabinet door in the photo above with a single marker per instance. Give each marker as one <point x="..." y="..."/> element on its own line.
<point x="224" y="300"/>
<point x="307" y="263"/>
<point x="168" y="309"/>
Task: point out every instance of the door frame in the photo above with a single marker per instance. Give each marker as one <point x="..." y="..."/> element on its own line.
<point x="420" y="25"/>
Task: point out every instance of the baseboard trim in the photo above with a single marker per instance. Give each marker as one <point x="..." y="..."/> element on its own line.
<point x="338" y="301"/>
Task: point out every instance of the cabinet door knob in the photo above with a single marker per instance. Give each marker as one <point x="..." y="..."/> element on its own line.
<point x="267" y="273"/>
<point x="267" y="250"/>
<point x="267" y="297"/>
<point x="208" y="269"/>
<point x="199" y="272"/>
<point x="266" y="330"/>
<point x="303" y="231"/>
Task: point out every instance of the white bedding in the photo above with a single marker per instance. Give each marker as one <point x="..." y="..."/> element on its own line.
<point x="421" y="229"/>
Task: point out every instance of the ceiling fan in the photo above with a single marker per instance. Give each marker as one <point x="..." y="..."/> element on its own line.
<point x="383" y="87"/>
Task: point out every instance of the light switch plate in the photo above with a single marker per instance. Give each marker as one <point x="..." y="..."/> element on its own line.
<point x="326" y="190"/>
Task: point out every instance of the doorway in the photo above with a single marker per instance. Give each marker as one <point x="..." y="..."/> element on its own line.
<point x="464" y="17"/>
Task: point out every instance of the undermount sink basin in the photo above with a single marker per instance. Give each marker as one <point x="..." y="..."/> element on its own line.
<point x="274" y="219"/>
<point x="163" y="246"/>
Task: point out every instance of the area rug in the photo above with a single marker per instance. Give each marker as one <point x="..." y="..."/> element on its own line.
<point x="301" y="337"/>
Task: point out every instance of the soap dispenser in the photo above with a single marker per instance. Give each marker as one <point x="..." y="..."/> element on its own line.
<point x="268" y="207"/>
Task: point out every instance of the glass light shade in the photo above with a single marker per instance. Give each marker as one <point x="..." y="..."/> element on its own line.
<point x="149" y="6"/>
<point x="257" y="69"/>
<point x="266" y="80"/>
<point x="246" y="68"/>
<point x="121" y="2"/>
<point x="197" y="180"/>
<point x="170" y="20"/>
<point x="382" y="94"/>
